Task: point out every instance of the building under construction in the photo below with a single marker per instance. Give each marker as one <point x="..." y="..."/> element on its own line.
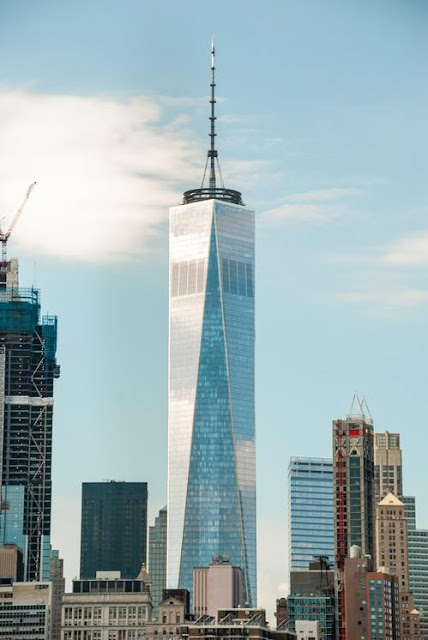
<point x="353" y="489"/>
<point x="28" y="368"/>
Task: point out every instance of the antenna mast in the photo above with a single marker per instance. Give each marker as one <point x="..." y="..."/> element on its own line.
<point x="212" y="153"/>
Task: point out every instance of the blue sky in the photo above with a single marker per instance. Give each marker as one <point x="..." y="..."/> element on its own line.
<point x="322" y="125"/>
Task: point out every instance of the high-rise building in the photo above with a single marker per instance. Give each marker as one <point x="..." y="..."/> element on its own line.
<point x="58" y="589"/>
<point x="157" y="558"/>
<point x="388" y="465"/>
<point x="114" y="528"/>
<point x="27" y="371"/>
<point x="211" y="423"/>
<point x="418" y="562"/>
<point x="310" y="511"/>
<point x="418" y="573"/>
<point x="312" y="597"/>
<point x="372" y="600"/>
<point x="392" y="557"/>
<point x="353" y="482"/>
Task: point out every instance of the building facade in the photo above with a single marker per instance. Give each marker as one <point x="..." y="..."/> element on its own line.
<point x="28" y="368"/>
<point x="25" y="610"/>
<point x="58" y="589"/>
<point x="106" y="608"/>
<point x="392" y="557"/>
<point x="211" y="417"/>
<point x="157" y="558"/>
<point x="372" y="607"/>
<point x="388" y="465"/>
<point x="418" y="573"/>
<point x="312" y="597"/>
<point x="310" y="511"/>
<point x="216" y="587"/>
<point x="113" y="528"/>
<point x="353" y="486"/>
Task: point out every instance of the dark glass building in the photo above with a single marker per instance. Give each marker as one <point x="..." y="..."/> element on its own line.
<point x="157" y="558"/>
<point x="27" y="371"/>
<point x="114" y="528"/>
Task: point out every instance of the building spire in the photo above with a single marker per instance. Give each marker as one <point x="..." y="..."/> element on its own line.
<point x="212" y="153"/>
<point x="212" y="191"/>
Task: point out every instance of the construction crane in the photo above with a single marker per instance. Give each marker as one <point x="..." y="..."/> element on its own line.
<point x="4" y="236"/>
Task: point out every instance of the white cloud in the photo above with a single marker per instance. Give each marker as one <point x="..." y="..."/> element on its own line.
<point x="320" y="205"/>
<point x="387" y="298"/>
<point x="107" y="171"/>
<point x="410" y="251"/>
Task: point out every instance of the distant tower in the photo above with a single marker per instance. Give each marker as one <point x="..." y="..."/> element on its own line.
<point x="211" y="423"/>
<point x="28" y="368"/>
<point x="392" y="557"/>
<point x="310" y="511"/>
<point x="114" y="528"/>
<point x="353" y="482"/>
<point x="388" y="465"/>
<point x="157" y="558"/>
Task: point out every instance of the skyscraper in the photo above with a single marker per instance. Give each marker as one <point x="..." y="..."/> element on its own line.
<point x="353" y="482"/>
<point x="392" y="557"/>
<point x="27" y="371"/>
<point x="211" y="426"/>
<point x="310" y="510"/>
<point x="114" y="528"/>
<point x="157" y="558"/>
<point x="418" y="562"/>
<point x="388" y="465"/>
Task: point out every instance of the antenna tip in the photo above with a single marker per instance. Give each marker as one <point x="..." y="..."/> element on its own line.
<point x="213" y="45"/>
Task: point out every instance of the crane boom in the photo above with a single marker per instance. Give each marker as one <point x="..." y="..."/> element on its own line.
<point x="4" y="236"/>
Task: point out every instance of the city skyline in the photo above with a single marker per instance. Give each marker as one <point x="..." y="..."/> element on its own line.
<point x="328" y="148"/>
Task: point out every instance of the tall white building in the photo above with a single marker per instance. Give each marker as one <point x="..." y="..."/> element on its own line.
<point x="211" y="426"/>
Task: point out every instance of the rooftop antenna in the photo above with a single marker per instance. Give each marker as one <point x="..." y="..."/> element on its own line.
<point x="212" y="153"/>
<point x="212" y="191"/>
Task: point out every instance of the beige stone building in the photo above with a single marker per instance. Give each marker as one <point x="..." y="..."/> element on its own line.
<point x="25" y="610"/>
<point x="107" y="608"/>
<point x="388" y="465"/>
<point x="218" y="586"/>
<point x="392" y="557"/>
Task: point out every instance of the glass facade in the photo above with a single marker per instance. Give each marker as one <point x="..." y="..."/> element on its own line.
<point x="310" y="509"/>
<point x="28" y="369"/>
<point x="211" y="432"/>
<point x="418" y="572"/>
<point x="113" y="528"/>
<point x="157" y="558"/>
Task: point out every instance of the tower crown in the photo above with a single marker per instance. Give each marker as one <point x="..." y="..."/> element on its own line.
<point x="212" y="191"/>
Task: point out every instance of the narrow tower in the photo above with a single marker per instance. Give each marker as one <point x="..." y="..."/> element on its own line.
<point x="353" y="491"/>
<point x="211" y="426"/>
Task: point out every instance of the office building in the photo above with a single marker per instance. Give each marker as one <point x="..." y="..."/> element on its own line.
<point x="114" y="528"/>
<point x="392" y="557"/>
<point x="312" y="597"/>
<point x="216" y="587"/>
<point x="27" y="371"/>
<point x="11" y="562"/>
<point x="25" y="610"/>
<point x="310" y="511"/>
<point x="211" y="424"/>
<point x="106" y="608"/>
<point x="353" y="482"/>
<point x="58" y="589"/>
<point x="388" y="465"/>
<point x="418" y="573"/>
<point x="372" y="607"/>
<point x="157" y="558"/>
